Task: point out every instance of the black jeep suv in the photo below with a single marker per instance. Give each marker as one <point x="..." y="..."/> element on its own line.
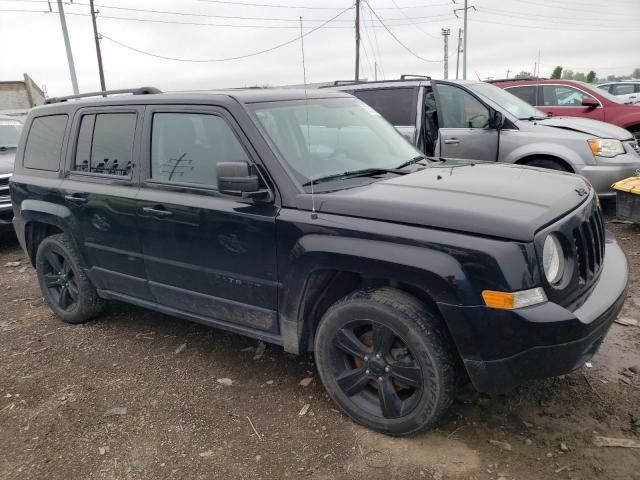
<point x="305" y="220"/>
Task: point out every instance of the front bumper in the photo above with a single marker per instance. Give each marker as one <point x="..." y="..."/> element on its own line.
<point x="502" y="348"/>
<point x="610" y="170"/>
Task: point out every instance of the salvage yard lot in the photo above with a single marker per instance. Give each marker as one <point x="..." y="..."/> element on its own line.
<point x="137" y="394"/>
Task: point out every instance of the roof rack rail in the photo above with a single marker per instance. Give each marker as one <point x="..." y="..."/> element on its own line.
<point x="347" y="82"/>
<point x="133" y="91"/>
<point x="526" y="79"/>
<point x="406" y="75"/>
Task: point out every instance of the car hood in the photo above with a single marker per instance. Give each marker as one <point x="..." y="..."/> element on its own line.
<point x="588" y="126"/>
<point x="493" y="199"/>
<point x="6" y="160"/>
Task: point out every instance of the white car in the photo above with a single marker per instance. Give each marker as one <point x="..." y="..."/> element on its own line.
<point x="629" y="90"/>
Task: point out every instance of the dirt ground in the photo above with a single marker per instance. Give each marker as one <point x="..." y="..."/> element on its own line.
<point x="136" y="394"/>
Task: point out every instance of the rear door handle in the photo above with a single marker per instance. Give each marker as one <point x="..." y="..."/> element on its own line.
<point x="76" y="198"/>
<point x="157" y="211"/>
<point x="451" y="141"/>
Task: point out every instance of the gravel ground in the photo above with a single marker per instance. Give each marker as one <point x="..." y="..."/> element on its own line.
<point x="137" y="394"/>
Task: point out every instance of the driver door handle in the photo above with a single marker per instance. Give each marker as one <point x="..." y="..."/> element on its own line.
<point x="157" y="211"/>
<point x="75" y="198"/>
<point x="451" y="141"/>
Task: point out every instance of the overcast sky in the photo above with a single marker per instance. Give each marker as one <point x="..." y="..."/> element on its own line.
<point x="503" y="35"/>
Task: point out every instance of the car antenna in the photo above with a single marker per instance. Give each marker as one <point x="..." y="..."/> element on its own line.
<point x="314" y="215"/>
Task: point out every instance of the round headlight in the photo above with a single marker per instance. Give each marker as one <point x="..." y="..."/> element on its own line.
<point x="553" y="259"/>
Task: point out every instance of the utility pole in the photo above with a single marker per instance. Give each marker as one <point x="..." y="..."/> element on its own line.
<point x="357" y="76"/>
<point x="508" y="72"/>
<point x="97" y="39"/>
<point x="466" y="34"/>
<point x="375" y="71"/>
<point x="67" y="46"/>
<point x="458" y="54"/>
<point x="445" y="33"/>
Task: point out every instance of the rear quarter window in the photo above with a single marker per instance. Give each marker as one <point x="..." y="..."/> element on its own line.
<point x="396" y="105"/>
<point x="44" y="143"/>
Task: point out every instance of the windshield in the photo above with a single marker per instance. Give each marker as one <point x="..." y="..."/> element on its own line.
<point x="512" y="104"/>
<point x="330" y="136"/>
<point x="9" y="133"/>
<point x="602" y="93"/>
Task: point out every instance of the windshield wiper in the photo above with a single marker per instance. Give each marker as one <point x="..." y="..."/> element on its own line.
<point x="365" y="172"/>
<point x="412" y="161"/>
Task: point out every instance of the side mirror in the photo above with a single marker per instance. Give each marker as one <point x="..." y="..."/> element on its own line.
<point x="235" y="178"/>
<point x="590" y="102"/>
<point x="497" y="120"/>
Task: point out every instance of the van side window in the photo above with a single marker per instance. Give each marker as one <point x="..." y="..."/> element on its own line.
<point x="105" y="143"/>
<point x="185" y="147"/>
<point x="460" y="109"/>
<point x="396" y="105"/>
<point x="44" y="144"/>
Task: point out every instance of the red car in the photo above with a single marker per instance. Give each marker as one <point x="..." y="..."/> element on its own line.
<point x="577" y="99"/>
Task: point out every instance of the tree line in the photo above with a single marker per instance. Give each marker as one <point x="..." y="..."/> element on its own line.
<point x="589" y="77"/>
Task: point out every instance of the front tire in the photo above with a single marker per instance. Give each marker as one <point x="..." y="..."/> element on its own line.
<point x="63" y="283"/>
<point x="386" y="360"/>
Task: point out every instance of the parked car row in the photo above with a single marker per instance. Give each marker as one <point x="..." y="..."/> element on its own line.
<point x="477" y="120"/>
<point x="572" y="98"/>
<point x="304" y="219"/>
<point x="628" y="90"/>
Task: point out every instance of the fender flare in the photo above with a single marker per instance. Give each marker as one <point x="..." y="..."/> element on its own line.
<point x="432" y="271"/>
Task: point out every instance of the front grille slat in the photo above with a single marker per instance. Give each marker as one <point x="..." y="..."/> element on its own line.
<point x="589" y="246"/>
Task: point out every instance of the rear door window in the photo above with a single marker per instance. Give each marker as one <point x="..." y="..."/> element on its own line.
<point x="396" y="105"/>
<point x="105" y="144"/>
<point x="44" y="144"/>
<point x="526" y="93"/>
<point x="623" y="89"/>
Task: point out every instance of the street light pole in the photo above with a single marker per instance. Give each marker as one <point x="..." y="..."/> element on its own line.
<point x="67" y="46"/>
<point x="445" y="33"/>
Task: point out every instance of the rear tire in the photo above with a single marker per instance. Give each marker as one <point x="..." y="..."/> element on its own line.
<point x="386" y="360"/>
<point x="549" y="163"/>
<point x="63" y="283"/>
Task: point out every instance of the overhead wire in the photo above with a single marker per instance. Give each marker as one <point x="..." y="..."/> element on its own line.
<point x="239" y="57"/>
<point x="400" y="42"/>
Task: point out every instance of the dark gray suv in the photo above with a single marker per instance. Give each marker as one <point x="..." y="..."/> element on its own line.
<point x="10" y="130"/>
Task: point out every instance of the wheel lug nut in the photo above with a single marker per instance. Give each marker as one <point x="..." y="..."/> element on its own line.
<point x="379" y="379"/>
<point x="367" y="371"/>
<point x="378" y="356"/>
<point x="387" y="369"/>
<point x="366" y="358"/>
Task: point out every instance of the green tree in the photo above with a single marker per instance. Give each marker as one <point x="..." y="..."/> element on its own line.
<point x="591" y="76"/>
<point x="523" y="74"/>
<point x="611" y="78"/>
<point x="567" y="75"/>
<point x="636" y="73"/>
<point x="557" y="72"/>
<point x="579" y="76"/>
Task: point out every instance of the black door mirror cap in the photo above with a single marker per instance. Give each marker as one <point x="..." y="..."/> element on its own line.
<point x="235" y="178"/>
<point x="497" y="120"/>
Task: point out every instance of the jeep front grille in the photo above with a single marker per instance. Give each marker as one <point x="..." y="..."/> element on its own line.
<point x="589" y="242"/>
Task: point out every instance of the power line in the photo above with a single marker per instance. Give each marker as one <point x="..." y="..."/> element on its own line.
<point x="216" y="60"/>
<point x="397" y="39"/>
<point x="540" y="27"/>
<point x="175" y="22"/>
<point x="306" y="7"/>
<point x="411" y="20"/>
<point x="534" y="17"/>
<point x="377" y="46"/>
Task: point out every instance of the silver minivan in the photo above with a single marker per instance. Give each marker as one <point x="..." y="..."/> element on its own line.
<point x="477" y="120"/>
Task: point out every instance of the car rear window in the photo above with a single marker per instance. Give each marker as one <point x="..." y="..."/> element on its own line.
<point x="396" y="105"/>
<point x="105" y="143"/>
<point x="44" y="144"/>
